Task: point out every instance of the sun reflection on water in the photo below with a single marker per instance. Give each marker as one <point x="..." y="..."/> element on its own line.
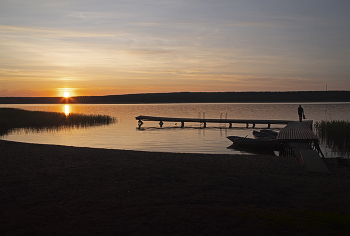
<point x="66" y="109"/>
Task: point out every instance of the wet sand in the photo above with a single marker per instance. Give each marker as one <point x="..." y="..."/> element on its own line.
<point x="61" y="190"/>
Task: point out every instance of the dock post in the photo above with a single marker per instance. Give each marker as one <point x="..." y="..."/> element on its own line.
<point x="140" y="123"/>
<point x="220" y="119"/>
<point x="268" y="125"/>
<point x="247" y="125"/>
<point x="204" y="124"/>
<point x="253" y="125"/>
<point x="182" y="124"/>
<point x="317" y="146"/>
<point x="230" y="125"/>
<point x="161" y="124"/>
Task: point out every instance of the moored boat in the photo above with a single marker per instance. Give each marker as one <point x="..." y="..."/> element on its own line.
<point x="263" y="143"/>
<point x="269" y="132"/>
<point x="265" y="134"/>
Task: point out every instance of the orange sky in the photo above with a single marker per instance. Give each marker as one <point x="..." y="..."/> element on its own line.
<point x="119" y="47"/>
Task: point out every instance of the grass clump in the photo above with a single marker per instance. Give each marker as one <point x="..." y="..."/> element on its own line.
<point x="13" y="118"/>
<point x="336" y="134"/>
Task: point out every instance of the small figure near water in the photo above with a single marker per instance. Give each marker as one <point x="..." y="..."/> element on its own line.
<point x="301" y="113"/>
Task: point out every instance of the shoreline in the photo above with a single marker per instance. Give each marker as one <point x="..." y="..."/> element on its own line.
<point x="192" y="97"/>
<point x="64" y="190"/>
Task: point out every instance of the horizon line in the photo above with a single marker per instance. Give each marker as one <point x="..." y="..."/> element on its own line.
<point x="181" y="92"/>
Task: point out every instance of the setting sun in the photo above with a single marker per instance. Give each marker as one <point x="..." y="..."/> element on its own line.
<point x="66" y="94"/>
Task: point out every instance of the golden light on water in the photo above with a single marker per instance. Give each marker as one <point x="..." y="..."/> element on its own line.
<point x="66" y="109"/>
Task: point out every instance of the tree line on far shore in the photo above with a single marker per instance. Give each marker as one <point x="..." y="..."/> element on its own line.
<point x="190" y="97"/>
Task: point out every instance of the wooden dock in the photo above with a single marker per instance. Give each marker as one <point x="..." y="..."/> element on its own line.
<point x="296" y="130"/>
<point x="295" y="136"/>
<point x="298" y="136"/>
<point x="205" y="121"/>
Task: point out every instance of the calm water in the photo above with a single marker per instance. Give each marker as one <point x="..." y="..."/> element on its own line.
<point x="172" y="138"/>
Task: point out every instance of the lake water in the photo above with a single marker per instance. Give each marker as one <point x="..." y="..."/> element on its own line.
<point x="124" y="134"/>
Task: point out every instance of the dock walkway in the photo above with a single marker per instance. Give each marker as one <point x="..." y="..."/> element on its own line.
<point x="205" y="121"/>
<point x="296" y="130"/>
<point x="304" y="143"/>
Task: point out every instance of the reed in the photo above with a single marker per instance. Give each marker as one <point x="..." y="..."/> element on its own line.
<point x="336" y="134"/>
<point x="13" y="118"/>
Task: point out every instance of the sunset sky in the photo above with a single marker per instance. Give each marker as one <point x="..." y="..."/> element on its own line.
<point x="105" y="47"/>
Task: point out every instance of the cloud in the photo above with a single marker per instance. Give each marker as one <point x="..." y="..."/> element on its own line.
<point x="5" y="71"/>
<point x="13" y="31"/>
<point x="96" y="15"/>
<point x="252" y="24"/>
<point x="183" y="43"/>
<point x="148" y="52"/>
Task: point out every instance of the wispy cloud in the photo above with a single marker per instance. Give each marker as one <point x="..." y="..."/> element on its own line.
<point x="96" y="15"/>
<point x="148" y="52"/>
<point x="203" y="45"/>
<point x="8" y="30"/>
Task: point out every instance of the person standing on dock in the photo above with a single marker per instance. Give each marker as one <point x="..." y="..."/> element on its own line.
<point x="300" y="113"/>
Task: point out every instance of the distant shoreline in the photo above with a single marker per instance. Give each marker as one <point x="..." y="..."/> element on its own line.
<point x="190" y="97"/>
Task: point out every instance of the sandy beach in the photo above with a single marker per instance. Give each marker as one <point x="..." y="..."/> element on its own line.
<point x="61" y="190"/>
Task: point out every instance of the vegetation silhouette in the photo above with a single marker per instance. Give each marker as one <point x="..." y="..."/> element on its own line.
<point x="191" y="97"/>
<point x="335" y="134"/>
<point x="13" y="118"/>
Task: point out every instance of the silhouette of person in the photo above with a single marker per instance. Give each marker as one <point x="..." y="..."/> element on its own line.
<point x="300" y="113"/>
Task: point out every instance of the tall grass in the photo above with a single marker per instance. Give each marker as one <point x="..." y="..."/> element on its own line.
<point x="13" y="118"/>
<point x="336" y="134"/>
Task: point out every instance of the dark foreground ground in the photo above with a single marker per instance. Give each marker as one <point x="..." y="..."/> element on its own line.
<point x="59" y="190"/>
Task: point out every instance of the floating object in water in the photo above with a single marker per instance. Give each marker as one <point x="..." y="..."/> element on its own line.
<point x="263" y="143"/>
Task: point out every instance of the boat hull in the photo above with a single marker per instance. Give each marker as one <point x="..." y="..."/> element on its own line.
<point x="253" y="143"/>
<point x="265" y="134"/>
